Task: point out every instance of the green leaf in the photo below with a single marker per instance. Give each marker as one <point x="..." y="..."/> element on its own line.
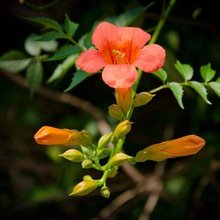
<point x="161" y="74"/>
<point x="200" y="89"/>
<point x="64" y="52"/>
<point x="62" y="68"/>
<point x="207" y="72"/>
<point x="129" y="16"/>
<point x="78" y="77"/>
<point x="215" y="86"/>
<point x="31" y="46"/>
<point x="177" y="90"/>
<point x="14" y="61"/>
<point x="70" y="27"/>
<point x="85" y="41"/>
<point x="34" y="76"/>
<point x="49" y="46"/>
<point x="51" y="35"/>
<point x="47" y="22"/>
<point x="185" y="70"/>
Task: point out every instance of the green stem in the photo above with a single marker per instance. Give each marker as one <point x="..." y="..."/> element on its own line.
<point x="120" y="143"/>
<point x="162" y="21"/>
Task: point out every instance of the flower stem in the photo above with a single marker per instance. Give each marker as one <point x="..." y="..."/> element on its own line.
<point x="162" y="20"/>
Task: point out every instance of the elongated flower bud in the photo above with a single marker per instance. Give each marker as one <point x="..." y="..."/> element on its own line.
<point x="84" y="187"/>
<point x="124" y="98"/>
<point x="142" y="99"/>
<point x="73" y="155"/>
<point x="119" y="158"/>
<point x="122" y="129"/>
<point x="54" y="136"/>
<point x="183" y="146"/>
<point x="104" y="140"/>
<point x="116" y="112"/>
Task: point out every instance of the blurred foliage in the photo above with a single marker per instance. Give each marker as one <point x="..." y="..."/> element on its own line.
<point x="34" y="182"/>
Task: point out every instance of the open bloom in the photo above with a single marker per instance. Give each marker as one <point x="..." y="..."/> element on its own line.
<point x="120" y="50"/>
<point x="183" y="146"/>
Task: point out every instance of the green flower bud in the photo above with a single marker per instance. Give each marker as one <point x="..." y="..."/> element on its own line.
<point x="73" y="155"/>
<point x="86" y="164"/>
<point x="105" y="191"/>
<point x="122" y="129"/>
<point x="113" y="172"/>
<point x="87" y="177"/>
<point x="104" y="140"/>
<point x="142" y="99"/>
<point x="84" y="188"/>
<point x="116" y="112"/>
<point x="119" y="159"/>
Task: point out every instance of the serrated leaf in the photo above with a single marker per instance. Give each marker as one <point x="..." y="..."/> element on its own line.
<point x="51" y="35"/>
<point x="62" y="68"/>
<point x="70" y="27"/>
<point x="129" y="16"/>
<point x="215" y="86"/>
<point x="207" y="72"/>
<point x="47" y="22"/>
<point x="14" y="61"/>
<point x="78" y="77"/>
<point x="161" y="74"/>
<point x="185" y="70"/>
<point x="200" y="89"/>
<point x="34" y="76"/>
<point x="64" y="52"/>
<point x="177" y="90"/>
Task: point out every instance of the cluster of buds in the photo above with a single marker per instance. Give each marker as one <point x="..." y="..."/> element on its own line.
<point x="84" y="151"/>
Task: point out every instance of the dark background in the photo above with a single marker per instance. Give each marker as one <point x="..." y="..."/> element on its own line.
<point x="35" y="183"/>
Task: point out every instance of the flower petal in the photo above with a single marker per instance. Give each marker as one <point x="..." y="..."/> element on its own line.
<point x="151" y="58"/>
<point x="119" y="76"/>
<point x="132" y="39"/>
<point x="104" y="38"/>
<point x="90" y="61"/>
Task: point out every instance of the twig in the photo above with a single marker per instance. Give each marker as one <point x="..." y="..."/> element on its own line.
<point x="150" y="184"/>
<point x="67" y="99"/>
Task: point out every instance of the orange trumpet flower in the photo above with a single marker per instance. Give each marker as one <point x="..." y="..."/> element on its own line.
<point x="119" y="50"/>
<point x="183" y="146"/>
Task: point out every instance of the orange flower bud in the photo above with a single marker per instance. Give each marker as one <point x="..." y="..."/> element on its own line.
<point x="54" y="136"/>
<point x="84" y="187"/>
<point x="124" y="98"/>
<point x="183" y="146"/>
<point x="122" y="129"/>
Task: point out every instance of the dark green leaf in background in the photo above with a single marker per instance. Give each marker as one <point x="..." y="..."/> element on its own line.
<point x="70" y="27"/>
<point x="14" y="61"/>
<point x="78" y="77"/>
<point x="34" y="76"/>
<point x="64" y="52"/>
<point x="62" y="68"/>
